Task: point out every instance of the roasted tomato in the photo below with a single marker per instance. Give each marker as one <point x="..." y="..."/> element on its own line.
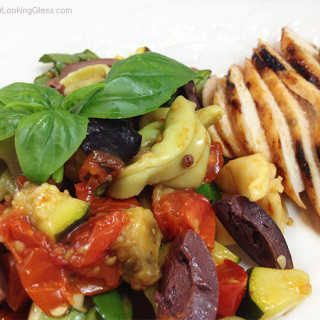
<point x="99" y="168"/>
<point x="232" y="283"/>
<point x="215" y="162"/>
<point x="185" y="209"/>
<point x="67" y="267"/>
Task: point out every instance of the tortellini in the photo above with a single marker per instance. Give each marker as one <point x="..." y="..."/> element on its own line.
<point x="84" y="77"/>
<point x="183" y="135"/>
<point x="254" y="177"/>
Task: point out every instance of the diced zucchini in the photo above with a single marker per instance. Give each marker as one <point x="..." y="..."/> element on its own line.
<point x="220" y="252"/>
<point x="272" y="292"/>
<point x="7" y="184"/>
<point x="114" y="304"/>
<point x="51" y="211"/>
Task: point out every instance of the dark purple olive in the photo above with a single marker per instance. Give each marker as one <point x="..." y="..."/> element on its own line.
<point x="254" y="231"/>
<point x="113" y="136"/>
<point x="188" y="288"/>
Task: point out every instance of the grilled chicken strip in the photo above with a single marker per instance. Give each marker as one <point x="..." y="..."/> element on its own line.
<point x="294" y="81"/>
<point x="244" y="114"/>
<point x="300" y="121"/>
<point x="303" y="56"/>
<point x="277" y="131"/>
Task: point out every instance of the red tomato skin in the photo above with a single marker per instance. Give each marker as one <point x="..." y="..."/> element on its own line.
<point x="42" y="265"/>
<point x="232" y="283"/>
<point x="90" y="241"/>
<point x="215" y="162"/>
<point x="185" y="209"/>
<point x="108" y="205"/>
<point x="17" y="296"/>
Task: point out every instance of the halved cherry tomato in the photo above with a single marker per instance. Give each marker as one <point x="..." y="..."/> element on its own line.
<point x="98" y="168"/>
<point x="215" y="162"/>
<point x="107" y="205"/>
<point x="86" y="189"/>
<point x="96" y="279"/>
<point x="185" y="209"/>
<point x="42" y="280"/>
<point x="17" y="297"/>
<point x="47" y="269"/>
<point x="88" y="243"/>
<point x="21" y="180"/>
<point x="232" y="283"/>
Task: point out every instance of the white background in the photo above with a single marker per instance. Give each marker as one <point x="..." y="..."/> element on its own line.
<point x="202" y="34"/>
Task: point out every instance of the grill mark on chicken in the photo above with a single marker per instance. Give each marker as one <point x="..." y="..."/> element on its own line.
<point x="271" y="61"/>
<point x="302" y="159"/>
<point x="301" y="66"/>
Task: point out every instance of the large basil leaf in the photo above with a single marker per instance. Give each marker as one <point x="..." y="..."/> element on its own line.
<point x="79" y="97"/>
<point x="137" y="85"/>
<point x="12" y="113"/>
<point x="46" y="140"/>
<point x="28" y="93"/>
<point x="200" y="80"/>
<point x="8" y="123"/>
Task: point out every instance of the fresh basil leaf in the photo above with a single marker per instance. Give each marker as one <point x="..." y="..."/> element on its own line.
<point x="12" y="113"/>
<point x="8" y="123"/>
<point x="46" y="140"/>
<point x="60" y="60"/>
<point x="211" y="191"/>
<point x="87" y="55"/>
<point x="57" y="176"/>
<point x="79" y="97"/>
<point x="28" y="93"/>
<point x="137" y="85"/>
<point x="45" y="77"/>
<point x="200" y="80"/>
<point x="24" y="108"/>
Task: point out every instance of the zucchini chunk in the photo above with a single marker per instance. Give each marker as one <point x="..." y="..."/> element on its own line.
<point x="273" y="292"/>
<point x="51" y="211"/>
<point x="220" y="252"/>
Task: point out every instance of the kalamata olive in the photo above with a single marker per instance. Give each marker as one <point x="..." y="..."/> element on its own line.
<point x="114" y="136"/>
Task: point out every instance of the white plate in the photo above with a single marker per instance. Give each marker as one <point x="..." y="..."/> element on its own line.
<point x="203" y="34"/>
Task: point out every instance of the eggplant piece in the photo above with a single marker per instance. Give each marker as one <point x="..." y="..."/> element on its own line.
<point x="189" y="286"/>
<point x="190" y="92"/>
<point x="255" y="231"/>
<point x="113" y="136"/>
<point x="78" y="65"/>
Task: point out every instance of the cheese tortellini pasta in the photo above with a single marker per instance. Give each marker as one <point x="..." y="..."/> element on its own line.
<point x="254" y="177"/>
<point x="162" y="158"/>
